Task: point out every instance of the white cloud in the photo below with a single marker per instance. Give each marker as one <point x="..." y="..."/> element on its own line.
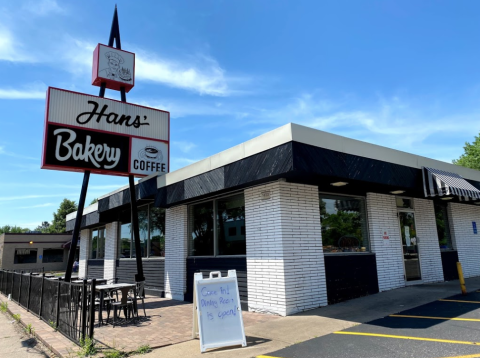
<point x="32" y="91"/>
<point x="392" y="122"/>
<point x="36" y="206"/>
<point x="25" y="197"/>
<point x="184" y="146"/>
<point x="43" y="7"/>
<point x="11" y="49"/>
<point x="202" y="74"/>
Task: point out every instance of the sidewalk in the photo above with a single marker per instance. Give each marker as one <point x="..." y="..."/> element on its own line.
<point x="267" y="333"/>
<point x="270" y="336"/>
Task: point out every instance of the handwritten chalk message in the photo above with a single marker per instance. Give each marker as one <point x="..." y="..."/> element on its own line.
<point x="219" y="312"/>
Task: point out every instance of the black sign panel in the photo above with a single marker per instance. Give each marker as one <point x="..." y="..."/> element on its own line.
<point x="78" y="148"/>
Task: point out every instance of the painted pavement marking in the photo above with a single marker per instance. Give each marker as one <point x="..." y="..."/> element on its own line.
<point x="441" y="318"/>
<point x="408" y="337"/>
<point x="443" y="300"/>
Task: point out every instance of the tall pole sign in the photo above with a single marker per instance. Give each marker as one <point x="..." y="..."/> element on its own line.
<point x="93" y="134"/>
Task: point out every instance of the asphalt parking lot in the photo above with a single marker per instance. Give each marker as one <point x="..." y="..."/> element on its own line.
<point x="449" y="327"/>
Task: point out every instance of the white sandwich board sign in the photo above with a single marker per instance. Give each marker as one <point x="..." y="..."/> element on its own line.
<point x="217" y="312"/>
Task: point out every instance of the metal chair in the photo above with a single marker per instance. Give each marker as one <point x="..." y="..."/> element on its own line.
<point x="139" y="294"/>
<point x="127" y="305"/>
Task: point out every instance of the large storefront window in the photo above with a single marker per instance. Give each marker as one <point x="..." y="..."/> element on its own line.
<point x="151" y="223"/>
<point x="217" y="227"/>
<point x="25" y="256"/>
<point x="98" y="244"/>
<point x="443" y="229"/>
<point x="52" y="255"/>
<point x="344" y="224"/>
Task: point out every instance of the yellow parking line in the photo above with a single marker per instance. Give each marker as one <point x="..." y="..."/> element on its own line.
<point x="459" y="301"/>
<point x="407" y="337"/>
<point x="280" y="357"/>
<point x="442" y="318"/>
<point x="467" y="356"/>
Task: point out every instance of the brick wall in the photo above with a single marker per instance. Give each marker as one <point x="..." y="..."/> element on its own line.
<point x="111" y="244"/>
<point x="85" y="238"/>
<point x="429" y="248"/>
<point x="382" y="215"/>
<point x="465" y="241"/>
<point x="175" y="251"/>
<point x="285" y="266"/>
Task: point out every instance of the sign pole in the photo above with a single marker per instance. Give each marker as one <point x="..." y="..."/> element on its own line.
<point x="115" y="35"/>
<point x="76" y="229"/>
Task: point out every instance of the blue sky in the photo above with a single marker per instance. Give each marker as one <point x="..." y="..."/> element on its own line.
<point x="403" y="74"/>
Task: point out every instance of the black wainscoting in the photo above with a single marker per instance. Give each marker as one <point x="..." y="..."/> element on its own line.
<point x="449" y="264"/>
<point x="153" y="270"/>
<point x="95" y="268"/>
<point x="206" y="265"/>
<point x="350" y="276"/>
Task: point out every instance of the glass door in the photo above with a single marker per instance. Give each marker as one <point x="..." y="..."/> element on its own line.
<point x="411" y="258"/>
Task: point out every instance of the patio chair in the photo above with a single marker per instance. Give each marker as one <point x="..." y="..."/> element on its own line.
<point x="127" y="305"/>
<point x="139" y="294"/>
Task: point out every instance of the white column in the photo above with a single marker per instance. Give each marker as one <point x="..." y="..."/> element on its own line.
<point x="429" y="248"/>
<point x="176" y="220"/>
<point x="466" y="241"/>
<point x="85" y="238"/>
<point x="111" y="245"/>
<point x="382" y="216"/>
<point x="285" y="265"/>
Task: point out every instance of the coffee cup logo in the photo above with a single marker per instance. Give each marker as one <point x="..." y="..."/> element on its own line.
<point x="152" y="153"/>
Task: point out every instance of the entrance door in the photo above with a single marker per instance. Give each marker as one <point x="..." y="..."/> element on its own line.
<point x="411" y="258"/>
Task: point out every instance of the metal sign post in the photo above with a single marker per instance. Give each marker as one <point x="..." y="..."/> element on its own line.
<point x="114" y="36"/>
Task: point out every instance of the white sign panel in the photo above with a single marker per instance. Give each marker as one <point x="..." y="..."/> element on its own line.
<point x="84" y="132"/>
<point x="217" y="307"/>
<point x="114" y="67"/>
<point x="385" y="237"/>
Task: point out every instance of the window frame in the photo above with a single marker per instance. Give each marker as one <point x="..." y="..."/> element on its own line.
<point x="368" y="249"/>
<point x="132" y="244"/>
<point x="215" y="228"/>
<point x="25" y="263"/>
<point x="104" y="228"/>
<point x="52" y="262"/>
<point x="444" y="207"/>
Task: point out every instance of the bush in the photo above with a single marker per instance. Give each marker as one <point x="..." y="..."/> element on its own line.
<point x="16" y="317"/>
<point x="115" y="354"/>
<point x="29" y="329"/>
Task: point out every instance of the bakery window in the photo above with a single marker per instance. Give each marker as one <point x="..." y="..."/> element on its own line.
<point x="344" y="224"/>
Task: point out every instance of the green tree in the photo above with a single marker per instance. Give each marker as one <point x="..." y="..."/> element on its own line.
<point x="471" y="157"/>
<point x="94" y="201"/>
<point x="7" y="229"/>
<point x="43" y="227"/>
<point x="59" y="223"/>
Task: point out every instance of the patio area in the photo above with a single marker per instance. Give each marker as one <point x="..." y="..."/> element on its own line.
<point x="167" y="322"/>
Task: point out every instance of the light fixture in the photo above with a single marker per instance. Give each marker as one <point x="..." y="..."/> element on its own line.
<point x="397" y="192"/>
<point x="31" y="242"/>
<point x="339" y="183"/>
<point x="447" y="198"/>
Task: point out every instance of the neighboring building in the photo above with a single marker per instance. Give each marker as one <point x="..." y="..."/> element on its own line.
<point x="307" y="218"/>
<point x="33" y="251"/>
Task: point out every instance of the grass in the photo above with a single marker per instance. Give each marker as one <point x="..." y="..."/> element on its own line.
<point x="87" y="348"/>
<point x="29" y="329"/>
<point x="16" y="317"/>
<point x="53" y="325"/>
<point x="115" y="354"/>
<point x="4" y="307"/>
<point x="143" y="349"/>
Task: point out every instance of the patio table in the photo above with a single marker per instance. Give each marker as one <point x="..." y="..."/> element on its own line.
<point x="123" y="287"/>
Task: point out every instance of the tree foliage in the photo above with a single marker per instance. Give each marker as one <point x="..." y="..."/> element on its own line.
<point x="94" y="201"/>
<point x="7" y="229"/>
<point x="59" y="223"/>
<point x="43" y="227"/>
<point x="471" y="157"/>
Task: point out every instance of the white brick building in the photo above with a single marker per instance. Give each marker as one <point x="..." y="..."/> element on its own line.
<point x="307" y="219"/>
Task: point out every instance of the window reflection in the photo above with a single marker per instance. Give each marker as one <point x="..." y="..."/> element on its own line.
<point x="231" y="226"/>
<point x="201" y="229"/>
<point x="157" y="232"/>
<point x="344" y="226"/>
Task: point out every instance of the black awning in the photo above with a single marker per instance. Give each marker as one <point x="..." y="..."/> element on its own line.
<point x="438" y="182"/>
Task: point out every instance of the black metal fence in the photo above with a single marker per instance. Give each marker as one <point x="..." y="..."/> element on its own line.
<point x="64" y="305"/>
